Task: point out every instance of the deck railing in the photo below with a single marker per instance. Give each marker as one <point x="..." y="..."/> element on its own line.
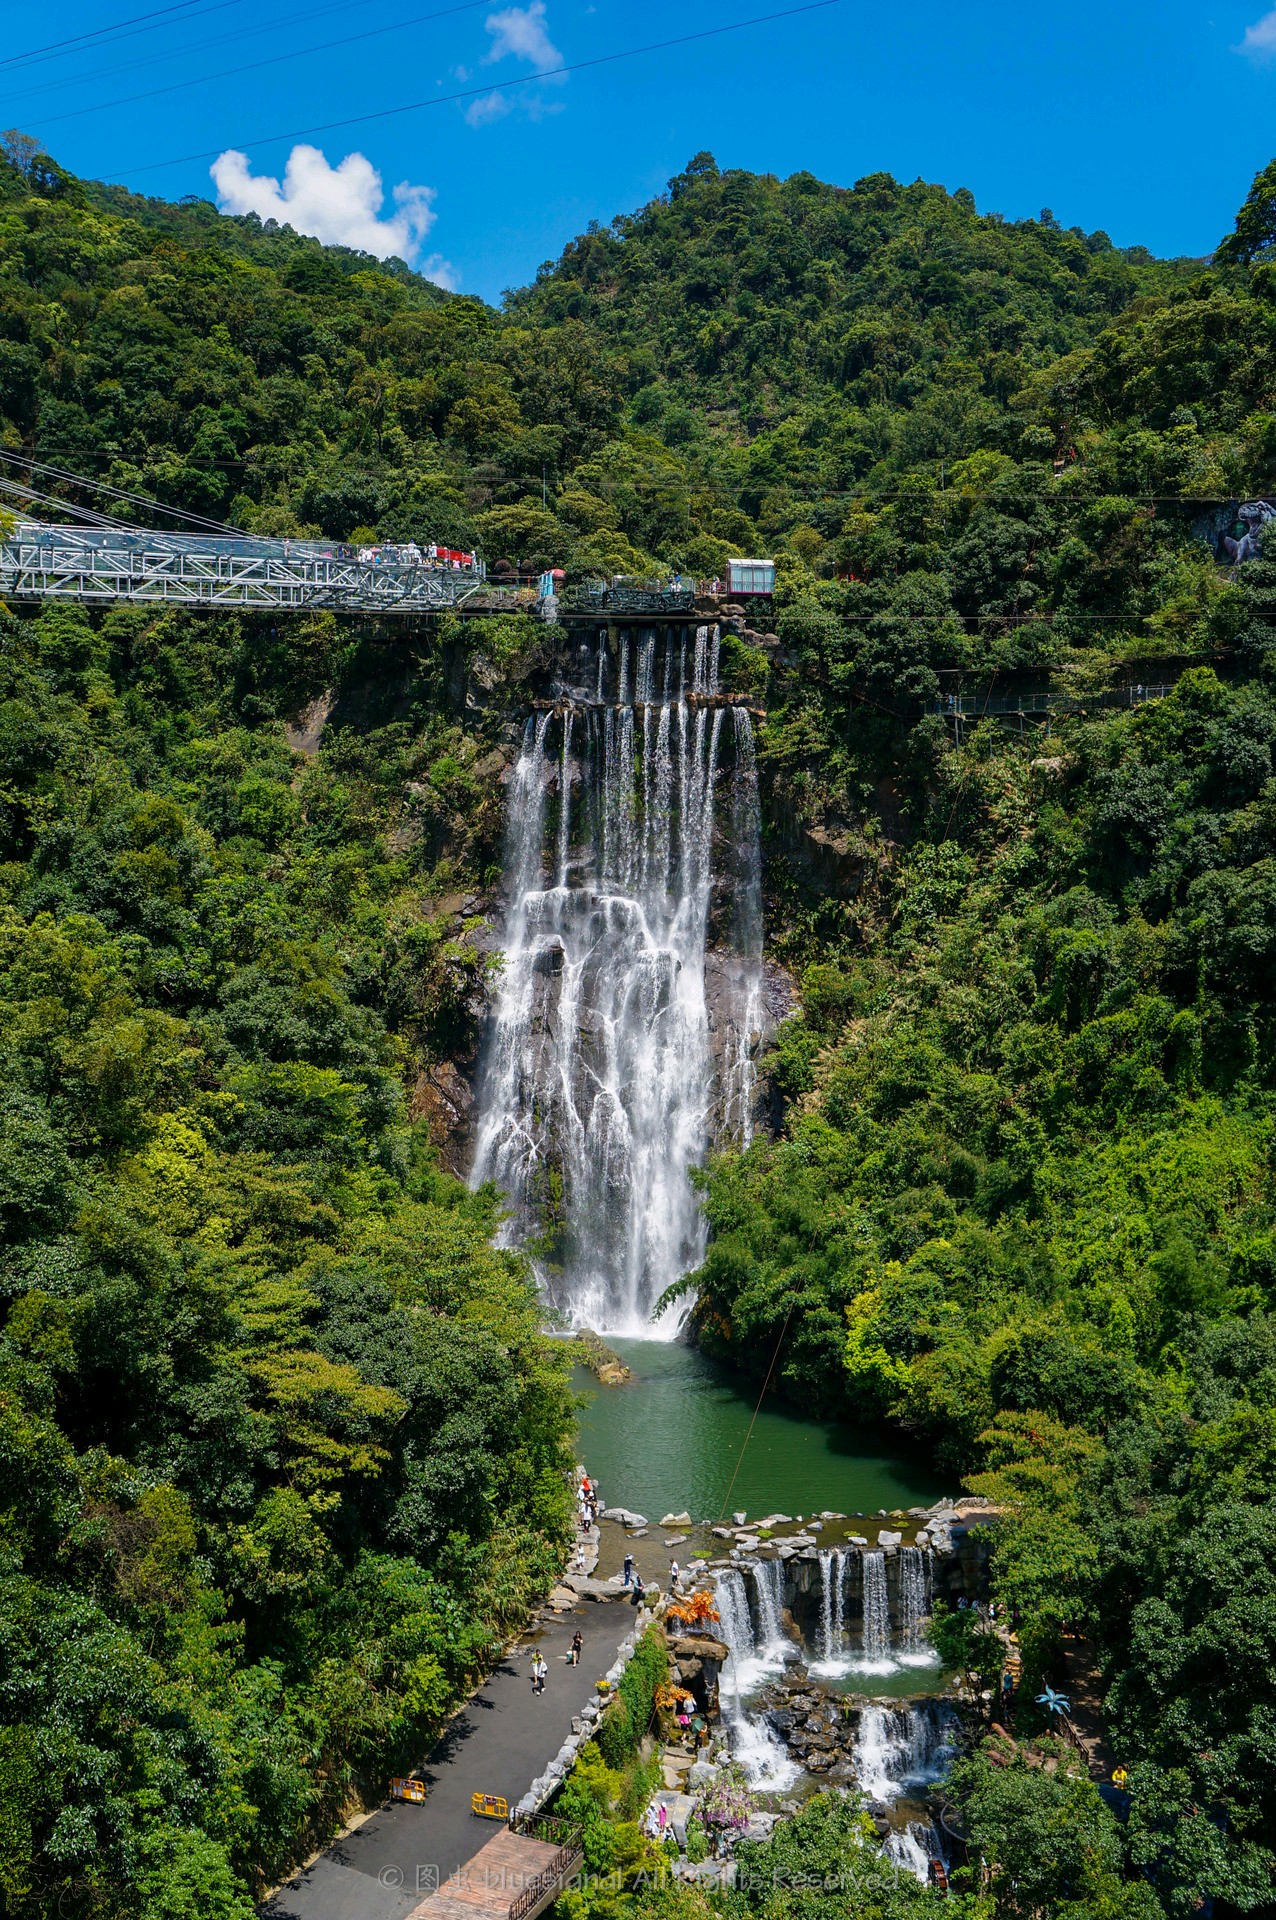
<point x="549" y="1883"/>
<point x="39" y="562"/>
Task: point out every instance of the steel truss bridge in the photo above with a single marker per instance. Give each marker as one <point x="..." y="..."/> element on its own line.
<point x="98" y="566"/>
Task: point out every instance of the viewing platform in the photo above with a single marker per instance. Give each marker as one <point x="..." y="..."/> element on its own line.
<point x="96" y="567"/>
<point x="570" y="704"/>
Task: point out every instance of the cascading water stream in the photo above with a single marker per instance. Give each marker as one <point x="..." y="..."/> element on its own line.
<point x="915" y="1578"/>
<point x="768" y="1587"/>
<point x="832" y="1613"/>
<point x="601" y="1077"/>
<point x="753" y="1742"/>
<point x="903" y="1747"/>
<point x="877" y="1614"/>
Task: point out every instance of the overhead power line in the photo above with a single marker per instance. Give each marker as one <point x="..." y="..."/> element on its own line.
<point x="101" y="36"/>
<point x="471" y="93"/>
<point x="64" y="474"/>
<point x="183" y="51"/>
<point x="254" y="66"/>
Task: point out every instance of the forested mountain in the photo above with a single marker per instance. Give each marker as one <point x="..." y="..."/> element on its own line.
<point x="281" y="1441"/>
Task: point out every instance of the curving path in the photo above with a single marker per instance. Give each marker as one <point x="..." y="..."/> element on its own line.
<point x="498" y="1743"/>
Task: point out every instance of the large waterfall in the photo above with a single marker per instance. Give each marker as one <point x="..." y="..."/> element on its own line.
<point x="632" y="827"/>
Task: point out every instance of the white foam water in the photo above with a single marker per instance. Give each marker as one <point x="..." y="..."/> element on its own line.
<point x="833" y="1658"/>
<point x="754" y="1742"/>
<point x="600" y="1082"/>
<point x="915" y="1588"/>
<point x="902" y="1748"/>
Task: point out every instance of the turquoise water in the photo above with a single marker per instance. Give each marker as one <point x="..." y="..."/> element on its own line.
<point x="675" y="1435"/>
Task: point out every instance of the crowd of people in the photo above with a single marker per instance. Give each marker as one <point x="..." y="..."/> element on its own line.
<point x="432" y="557"/>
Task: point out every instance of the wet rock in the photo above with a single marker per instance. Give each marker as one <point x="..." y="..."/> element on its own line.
<point x="444" y="1098"/>
<point x="699" y="1646"/>
<point x="677" y="1539"/>
<point x="820" y="1762"/>
<point x="886" y="1538"/>
<point x="625" y="1516"/>
<point x="586" y="1588"/>
<point x="673" y="1520"/>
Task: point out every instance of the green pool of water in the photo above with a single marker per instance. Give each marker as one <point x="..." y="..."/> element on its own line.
<point x="675" y="1435"/>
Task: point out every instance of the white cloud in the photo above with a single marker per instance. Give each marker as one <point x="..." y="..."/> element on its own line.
<point x="520" y="33"/>
<point x="1260" y="39"/>
<point x="493" y="106"/>
<point x="338" y="205"/>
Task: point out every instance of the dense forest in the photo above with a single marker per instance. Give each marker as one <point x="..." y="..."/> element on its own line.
<point x="282" y="1440"/>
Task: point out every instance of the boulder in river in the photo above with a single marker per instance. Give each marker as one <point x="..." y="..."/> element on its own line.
<point x="586" y="1588"/>
<point x="673" y="1520"/>
<point x="625" y="1517"/>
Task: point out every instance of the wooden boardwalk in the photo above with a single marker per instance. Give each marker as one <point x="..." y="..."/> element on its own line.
<point x="509" y="1867"/>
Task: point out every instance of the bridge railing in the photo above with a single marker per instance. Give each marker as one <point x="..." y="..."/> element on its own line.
<point x="628" y="597"/>
<point x="43" y="562"/>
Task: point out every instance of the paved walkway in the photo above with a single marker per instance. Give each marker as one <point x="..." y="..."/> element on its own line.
<point x="499" y="1742"/>
<point x="499" y="1872"/>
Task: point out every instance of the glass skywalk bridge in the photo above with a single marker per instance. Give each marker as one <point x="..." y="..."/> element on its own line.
<point x="98" y="566"/>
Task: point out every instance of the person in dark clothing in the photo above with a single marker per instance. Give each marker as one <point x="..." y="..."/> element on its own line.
<point x="573" y="1657"/>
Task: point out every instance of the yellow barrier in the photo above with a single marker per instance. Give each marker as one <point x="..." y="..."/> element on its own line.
<point x="490" y="1806"/>
<point x="413" y="1791"/>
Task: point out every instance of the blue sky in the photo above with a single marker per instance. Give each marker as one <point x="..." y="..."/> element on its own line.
<point x="1147" y="120"/>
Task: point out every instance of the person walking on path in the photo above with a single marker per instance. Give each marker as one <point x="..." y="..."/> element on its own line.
<point x="629" y="1570"/>
<point x="539" y="1671"/>
<point x="573" y="1658"/>
<point x="675" y="1577"/>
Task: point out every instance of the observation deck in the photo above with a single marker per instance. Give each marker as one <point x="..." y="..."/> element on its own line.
<point x="39" y="561"/>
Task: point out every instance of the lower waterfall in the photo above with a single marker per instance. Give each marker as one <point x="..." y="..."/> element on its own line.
<point x="902" y="1747"/>
<point x="877" y="1615"/>
<point x="832" y="1612"/>
<point x="915" y="1649"/>
<point x="632" y="821"/>
<point x="768" y="1585"/>
<point x="753" y="1741"/>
